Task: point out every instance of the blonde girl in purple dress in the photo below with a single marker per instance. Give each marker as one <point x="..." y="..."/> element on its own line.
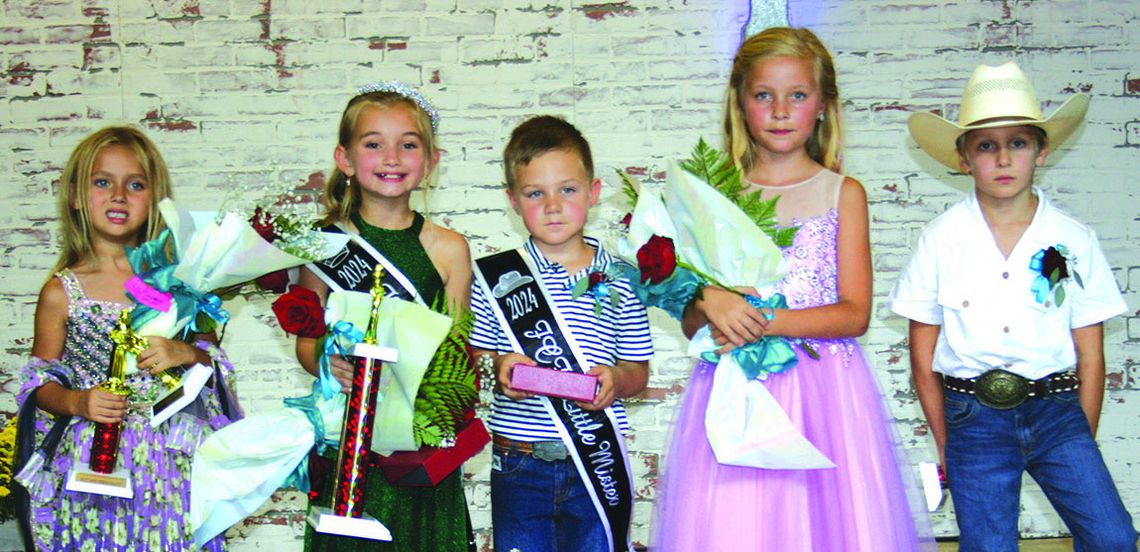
<point x="109" y="192"/>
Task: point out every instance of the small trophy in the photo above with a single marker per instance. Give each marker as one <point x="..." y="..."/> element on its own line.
<point x="100" y="475"/>
<point x="347" y="517"/>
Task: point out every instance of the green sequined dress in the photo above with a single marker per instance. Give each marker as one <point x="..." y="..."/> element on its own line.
<point x="425" y="519"/>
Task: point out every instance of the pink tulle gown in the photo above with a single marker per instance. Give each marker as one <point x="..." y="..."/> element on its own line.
<point x="860" y="505"/>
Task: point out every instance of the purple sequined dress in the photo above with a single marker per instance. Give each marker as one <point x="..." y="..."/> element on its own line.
<point x="157" y="458"/>
<point x="860" y="505"/>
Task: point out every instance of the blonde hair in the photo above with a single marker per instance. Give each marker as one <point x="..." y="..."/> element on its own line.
<point x="824" y="145"/>
<point x="341" y="199"/>
<point x="75" y="190"/>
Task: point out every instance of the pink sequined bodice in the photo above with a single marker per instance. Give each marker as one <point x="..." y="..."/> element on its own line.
<point x="813" y="272"/>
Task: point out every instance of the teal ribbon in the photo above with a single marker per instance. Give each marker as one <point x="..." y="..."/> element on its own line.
<point x="768" y="355"/>
<point x="150" y="262"/>
<point x="1041" y="286"/>
<point x="210" y="305"/>
<point x="670" y="295"/>
<point x="299" y="477"/>
<point x="340" y="341"/>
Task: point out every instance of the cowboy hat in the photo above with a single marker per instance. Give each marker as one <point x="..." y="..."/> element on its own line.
<point x="995" y="97"/>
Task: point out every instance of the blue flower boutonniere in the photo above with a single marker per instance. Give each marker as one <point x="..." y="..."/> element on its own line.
<point x="1052" y="267"/>
<point x="597" y="283"/>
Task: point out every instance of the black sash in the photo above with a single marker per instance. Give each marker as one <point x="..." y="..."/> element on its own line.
<point x="535" y="328"/>
<point x="351" y="269"/>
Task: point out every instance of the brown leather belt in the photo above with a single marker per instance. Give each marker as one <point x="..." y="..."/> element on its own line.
<point x="1001" y="389"/>
<point x="551" y="451"/>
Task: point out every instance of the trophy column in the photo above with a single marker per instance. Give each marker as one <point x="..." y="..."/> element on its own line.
<point x="347" y="517"/>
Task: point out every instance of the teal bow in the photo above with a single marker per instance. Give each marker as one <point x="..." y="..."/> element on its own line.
<point x="340" y="341"/>
<point x="1041" y="285"/>
<point x="767" y="355"/>
<point x="210" y="305"/>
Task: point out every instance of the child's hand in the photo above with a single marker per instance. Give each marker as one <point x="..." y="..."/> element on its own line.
<point x="342" y="370"/>
<point x="101" y="406"/>
<point x="504" y="368"/>
<point x="163" y="354"/>
<point x="607" y="388"/>
<point x="736" y="322"/>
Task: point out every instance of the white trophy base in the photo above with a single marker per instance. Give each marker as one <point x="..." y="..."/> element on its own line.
<point x="931" y="485"/>
<point x="174" y="400"/>
<point x="324" y="521"/>
<point x="117" y="483"/>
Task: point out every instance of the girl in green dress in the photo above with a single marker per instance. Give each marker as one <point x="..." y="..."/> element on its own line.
<point x="386" y="149"/>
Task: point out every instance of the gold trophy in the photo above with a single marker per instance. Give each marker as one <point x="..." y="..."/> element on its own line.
<point x="100" y="476"/>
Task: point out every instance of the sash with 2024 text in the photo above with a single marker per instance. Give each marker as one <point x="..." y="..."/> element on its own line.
<point x="536" y="329"/>
<point x="351" y="269"/>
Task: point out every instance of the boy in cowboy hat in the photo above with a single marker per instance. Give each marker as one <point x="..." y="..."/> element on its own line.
<point x="1006" y="295"/>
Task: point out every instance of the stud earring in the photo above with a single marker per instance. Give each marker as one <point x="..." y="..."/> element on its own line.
<point x="348" y="182"/>
<point x="819" y="117"/>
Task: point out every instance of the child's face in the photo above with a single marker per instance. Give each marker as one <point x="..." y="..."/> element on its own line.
<point x="553" y="195"/>
<point x="1002" y="160"/>
<point x="119" y="203"/>
<point x="386" y="156"/>
<point x="781" y="101"/>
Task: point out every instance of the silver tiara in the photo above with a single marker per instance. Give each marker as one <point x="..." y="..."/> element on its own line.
<point x="407" y="91"/>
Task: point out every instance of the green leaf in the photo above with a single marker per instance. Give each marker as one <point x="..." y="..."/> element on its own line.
<point x="580" y="287"/>
<point x="1060" y="295"/>
<point x="615" y="300"/>
<point x="1054" y="276"/>
<point x="1077" y="277"/>
<point x="597" y="309"/>
<point x="628" y="187"/>
<point x="715" y="168"/>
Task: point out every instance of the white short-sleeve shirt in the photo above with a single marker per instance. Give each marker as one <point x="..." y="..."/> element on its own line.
<point x="957" y="278"/>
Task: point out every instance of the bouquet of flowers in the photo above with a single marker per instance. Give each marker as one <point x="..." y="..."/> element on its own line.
<point x="706" y="230"/>
<point x="202" y="255"/>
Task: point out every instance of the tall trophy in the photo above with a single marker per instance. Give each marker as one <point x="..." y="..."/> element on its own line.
<point x="100" y="475"/>
<point x="347" y="517"/>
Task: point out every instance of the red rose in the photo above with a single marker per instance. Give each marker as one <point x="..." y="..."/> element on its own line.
<point x="657" y="259"/>
<point x="262" y="223"/>
<point x="299" y="312"/>
<point x="274" y="281"/>
<point x="597" y="278"/>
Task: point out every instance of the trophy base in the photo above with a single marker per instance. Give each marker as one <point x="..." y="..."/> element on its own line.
<point x="174" y="400"/>
<point x="117" y="483"/>
<point x="931" y="485"/>
<point x="324" y="521"/>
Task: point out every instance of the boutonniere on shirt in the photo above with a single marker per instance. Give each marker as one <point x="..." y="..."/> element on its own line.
<point x="597" y="284"/>
<point x="1052" y="267"/>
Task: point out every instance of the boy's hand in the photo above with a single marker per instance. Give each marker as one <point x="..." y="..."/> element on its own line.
<point x="607" y="388"/>
<point x="504" y="368"/>
<point x="342" y="370"/>
<point x="163" y="354"/>
<point x="101" y="406"/>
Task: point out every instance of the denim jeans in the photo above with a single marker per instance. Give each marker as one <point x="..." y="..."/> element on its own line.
<point x="987" y="450"/>
<point x="541" y="506"/>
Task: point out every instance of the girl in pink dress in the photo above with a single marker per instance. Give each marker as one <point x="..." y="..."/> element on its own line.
<point x="782" y="125"/>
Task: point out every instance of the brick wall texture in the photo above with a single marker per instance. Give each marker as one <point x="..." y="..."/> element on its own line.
<point x="238" y="91"/>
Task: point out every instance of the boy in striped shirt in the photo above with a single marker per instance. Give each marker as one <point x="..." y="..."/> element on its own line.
<point x="539" y="501"/>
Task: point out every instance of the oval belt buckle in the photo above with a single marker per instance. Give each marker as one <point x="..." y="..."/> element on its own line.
<point x="1000" y="389"/>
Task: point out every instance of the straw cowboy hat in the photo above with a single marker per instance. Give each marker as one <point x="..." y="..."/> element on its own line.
<point x="995" y="97"/>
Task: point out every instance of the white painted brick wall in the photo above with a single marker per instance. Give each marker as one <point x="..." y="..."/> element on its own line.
<point x="242" y="91"/>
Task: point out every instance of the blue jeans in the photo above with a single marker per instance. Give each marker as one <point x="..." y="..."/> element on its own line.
<point x="987" y="450"/>
<point x="541" y="506"/>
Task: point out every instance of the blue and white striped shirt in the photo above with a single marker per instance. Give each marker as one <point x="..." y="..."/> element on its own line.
<point x="621" y="334"/>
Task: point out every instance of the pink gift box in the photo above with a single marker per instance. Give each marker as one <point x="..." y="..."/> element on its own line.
<point x="554" y="383"/>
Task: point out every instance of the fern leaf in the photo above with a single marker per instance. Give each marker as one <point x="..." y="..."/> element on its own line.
<point x="629" y="188"/>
